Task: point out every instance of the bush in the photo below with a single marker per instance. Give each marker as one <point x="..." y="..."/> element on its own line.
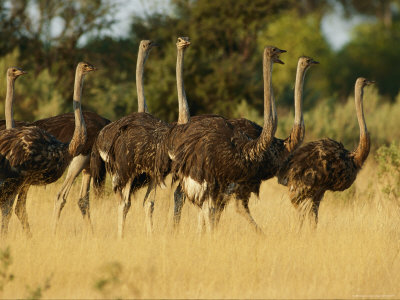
<point x="388" y="158"/>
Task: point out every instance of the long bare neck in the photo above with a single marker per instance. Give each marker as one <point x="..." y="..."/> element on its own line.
<point x="9" y="112"/>
<point x="142" y="56"/>
<point x="79" y="137"/>
<point x="184" y="114"/>
<point x="254" y="149"/>
<point x="274" y="115"/>
<point x="297" y="134"/>
<point x="360" y="154"/>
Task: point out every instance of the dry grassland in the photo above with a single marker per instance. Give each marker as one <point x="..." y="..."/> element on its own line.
<point x="353" y="254"/>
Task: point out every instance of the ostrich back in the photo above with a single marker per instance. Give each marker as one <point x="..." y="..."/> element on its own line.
<point x="17" y="124"/>
<point x="62" y="127"/>
<point x="128" y="147"/>
<point x="210" y="152"/>
<point x="320" y="165"/>
<point x="32" y="154"/>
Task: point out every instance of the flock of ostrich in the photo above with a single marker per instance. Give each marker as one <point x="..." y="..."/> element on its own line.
<point x="212" y="159"/>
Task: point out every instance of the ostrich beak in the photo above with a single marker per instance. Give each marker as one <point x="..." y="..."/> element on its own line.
<point x="21" y="72"/>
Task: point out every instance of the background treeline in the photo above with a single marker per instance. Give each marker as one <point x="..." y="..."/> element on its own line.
<point x="223" y="72"/>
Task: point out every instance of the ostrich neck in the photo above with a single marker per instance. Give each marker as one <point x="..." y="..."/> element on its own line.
<point x="274" y="115"/>
<point x="254" y="149"/>
<point x="79" y="137"/>
<point x="362" y="151"/>
<point x="142" y="106"/>
<point x="184" y="114"/>
<point x="9" y="113"/>
<point x="297" y="134"/>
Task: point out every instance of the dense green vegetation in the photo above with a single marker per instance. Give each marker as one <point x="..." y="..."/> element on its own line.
<point x="223" y="71"/>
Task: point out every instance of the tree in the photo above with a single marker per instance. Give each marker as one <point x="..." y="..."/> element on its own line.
<point x="30" y="25"/>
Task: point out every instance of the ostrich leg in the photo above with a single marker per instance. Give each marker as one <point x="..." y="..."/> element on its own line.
<point x="124" y="203"/>
<point x="316" y="200"/>
<point x="308" y="206"/>
<point x="242" y="207"/>
<point x="200" y="221"/>
<point x="6" y="207"/>
<point x="83" y="201"/>
<point x="179" y="200"/>
<point x="242" y="195"/>
<point x="303" y="208"/>
<point x="8" y="198"/>
<point x="77" y="164"/>
<point x="208" y="210"/>
<point x="20" y="210"/>
<point x="149" y="206"/>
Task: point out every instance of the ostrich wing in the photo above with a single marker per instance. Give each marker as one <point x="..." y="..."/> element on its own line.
<point x="325" y="164"/>
<point x="28" y="150"/>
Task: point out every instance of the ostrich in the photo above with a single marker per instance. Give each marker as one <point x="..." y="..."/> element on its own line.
<point x="276" y="154"/>
<point x="126" y="149"/>
<point x="31" y="156"/>
<point x="62" y="128"/>
<point x="209" y="155"/>
<point x="325" y="165"/>
<point x="7" y="193"/>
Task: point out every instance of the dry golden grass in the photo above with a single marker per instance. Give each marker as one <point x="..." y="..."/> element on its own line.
<point x="354" y="253"/>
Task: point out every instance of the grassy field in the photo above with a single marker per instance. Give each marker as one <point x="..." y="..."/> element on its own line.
<point x="354" y="253"/>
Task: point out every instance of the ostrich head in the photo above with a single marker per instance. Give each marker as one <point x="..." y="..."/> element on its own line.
<point x="147" y="45"/>
<point x="274" y="53"/>
<point x="306" y="62"/>
<point x="182" y="42"/>
<point x="14" y="72"/>
<point x="361" y="82"/>
<point x="84" y="68"/>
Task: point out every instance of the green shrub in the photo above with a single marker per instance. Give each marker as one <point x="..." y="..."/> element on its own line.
<point x="388" y="158"/>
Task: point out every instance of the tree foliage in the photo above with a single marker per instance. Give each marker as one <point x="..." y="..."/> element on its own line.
<point x="223" y="66"/>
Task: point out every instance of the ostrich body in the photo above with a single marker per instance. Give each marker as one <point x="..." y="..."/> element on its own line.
<point x="126" y="149"/>
<point x="31" y="156"/>
<point x="209" y="155"/>
<point x="277" y="153"/>
<point x="62" y="128"/>
<point x="325" y="165"/>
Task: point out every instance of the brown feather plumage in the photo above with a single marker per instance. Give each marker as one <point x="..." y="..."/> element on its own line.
<point x="62" y="127"/>
<point x="325" y="165"/>
<point x="130" y="144"/>
<point x="36" y="155"/>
